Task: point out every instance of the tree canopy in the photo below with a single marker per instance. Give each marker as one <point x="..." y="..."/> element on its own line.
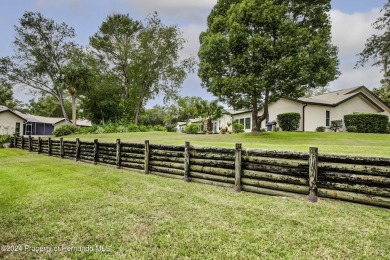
<point x="257" y="51"/>
<point x="144" y="58"/>
<point x="377" y="50"/>
<point x="42" y="47"/>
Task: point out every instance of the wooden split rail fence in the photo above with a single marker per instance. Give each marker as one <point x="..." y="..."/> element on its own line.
<point x="363" y="180"/>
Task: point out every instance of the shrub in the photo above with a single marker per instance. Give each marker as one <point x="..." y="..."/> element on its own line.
<point x="320" y="129"/>
<point x="5" y="139"/>
<point x="132" y="128"/>
<point x="238" y="128"/>
<point x="159" y="128"/>
<point x="367" y="123"/>
<point x="335" y="125"/>
<point x="121" y="129"/>
<point x="66" y="129"/>
<point x="192" y="129"/>
<point x="352" y="129"/>
<point x="110" y="128"/>
<point x="143" y="128"/>
<point x="99" y="130"/>
<point x="289" y="121"/>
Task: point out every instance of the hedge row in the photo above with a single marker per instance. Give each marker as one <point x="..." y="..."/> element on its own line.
<point x="367" y="123"/>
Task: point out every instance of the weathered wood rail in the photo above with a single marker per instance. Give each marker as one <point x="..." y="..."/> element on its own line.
<point x="363" y="180"/>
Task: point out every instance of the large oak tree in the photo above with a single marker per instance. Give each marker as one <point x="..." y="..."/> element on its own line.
<point x="257" y="51"/>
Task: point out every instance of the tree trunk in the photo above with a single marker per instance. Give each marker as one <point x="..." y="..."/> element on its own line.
<point x="138" y="111"/>
<point x="265" y="115"/>
<point x="61" y="100"/>
<point x="255" y="111"/>
<point x="209" y="125"/>
<point x="72" y="92"/>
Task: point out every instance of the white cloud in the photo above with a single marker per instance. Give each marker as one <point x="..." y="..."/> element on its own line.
<point x="349" y="34"/>
<point x="189" y="11"/>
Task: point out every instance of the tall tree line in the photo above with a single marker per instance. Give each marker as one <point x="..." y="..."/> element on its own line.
<point x="127" y="63"/>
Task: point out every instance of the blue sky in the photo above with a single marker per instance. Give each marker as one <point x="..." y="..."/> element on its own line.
<point x="351" y="20"/>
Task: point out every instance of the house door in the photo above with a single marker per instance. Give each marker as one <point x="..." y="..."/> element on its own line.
<point x="28" y="129"/>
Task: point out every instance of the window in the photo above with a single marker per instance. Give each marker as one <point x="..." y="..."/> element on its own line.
<point x="248" y="123"/>
<point x="327" y="118"/>
<point x="17" y="128"/>
<point x="242" y="121"/>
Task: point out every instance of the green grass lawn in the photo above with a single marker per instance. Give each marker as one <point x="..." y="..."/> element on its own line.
<point x="52" y="202"/>
<point x="331" y="143"/>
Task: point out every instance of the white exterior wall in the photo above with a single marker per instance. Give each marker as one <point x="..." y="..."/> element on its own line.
<point x="8" y="123"/>
<point x="244" y="115"/>
<point x="283" y="106"/>
<point x="316" y="114"/>
<point x="357" y="104"/>
<point x="380" y="104"/>
<point x="223" y="122"/>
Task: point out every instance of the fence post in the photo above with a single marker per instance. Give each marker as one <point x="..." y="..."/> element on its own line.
<point x="147" y="156"/>
<point x="29" y="143"/>
<point x="95" y="151"/>
<point x="237" y="184"/>
<point x="187" y="149"/>
<point x="313" y="174"/>
<point x="39" y="145"/>
<point x="118" y="153"/>
<point x="62" y="147"/>
<point x="22" y="140"/>
<point x="77" y="149"/>
<point x="49" y="146"/>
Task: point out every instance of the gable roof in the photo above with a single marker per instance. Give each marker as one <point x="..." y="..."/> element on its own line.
<point x="338" y="97"/>
<point x="4" y="109"/>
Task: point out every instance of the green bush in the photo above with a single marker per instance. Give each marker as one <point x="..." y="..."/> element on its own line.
<point x="5" y="139"/>
<point x="352" y="129"/>
<point x="320" y="129"/>
<point x="110" y="128"/>
<point x="159" y="128"/>
<point x="367" y="123"/>
<point x="238" y="128"/>
<point x="121" y="129"/>
<point x="99" y="130"/>
<point x="289" y="121"/>
<point x="192" y="129"/>
<point x="143" y="128"/>
<point x="66" y="129"/>
<point x="132" y="128"/>
<point x="335" y="125"/>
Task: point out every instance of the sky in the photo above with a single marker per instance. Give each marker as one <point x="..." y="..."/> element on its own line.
<point x="351" y="26"/>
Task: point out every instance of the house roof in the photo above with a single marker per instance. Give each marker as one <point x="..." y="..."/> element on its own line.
<point x="43" y="119"/>
<point x="32" y="118"/>
<point x="12" y="111"/>
<point x="83" y="122"/>
<point x="340" y="96"/>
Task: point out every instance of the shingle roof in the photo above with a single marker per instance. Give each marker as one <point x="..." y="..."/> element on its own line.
<point x="331" y="98"/>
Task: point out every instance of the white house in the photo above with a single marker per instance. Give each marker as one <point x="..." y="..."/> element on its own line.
<point x="222" y="122"/>
<point x="13" y="121"/>
<point x="322" y="109"/>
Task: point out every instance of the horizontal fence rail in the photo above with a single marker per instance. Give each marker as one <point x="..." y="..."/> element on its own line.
<point x="364" y="180"/>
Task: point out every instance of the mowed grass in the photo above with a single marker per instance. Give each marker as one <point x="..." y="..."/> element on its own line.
<point x="330" y="143"/>
<point x="52" y="202"/>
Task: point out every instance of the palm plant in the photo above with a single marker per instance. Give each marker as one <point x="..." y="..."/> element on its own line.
<point x="210" y="111"/>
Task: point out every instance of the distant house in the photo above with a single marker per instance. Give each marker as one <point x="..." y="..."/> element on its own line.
<point x="13" y="121"/>
<point x="222" y="122"/>
<point x="322" y="109"/>
<point x="10" y="121"/>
